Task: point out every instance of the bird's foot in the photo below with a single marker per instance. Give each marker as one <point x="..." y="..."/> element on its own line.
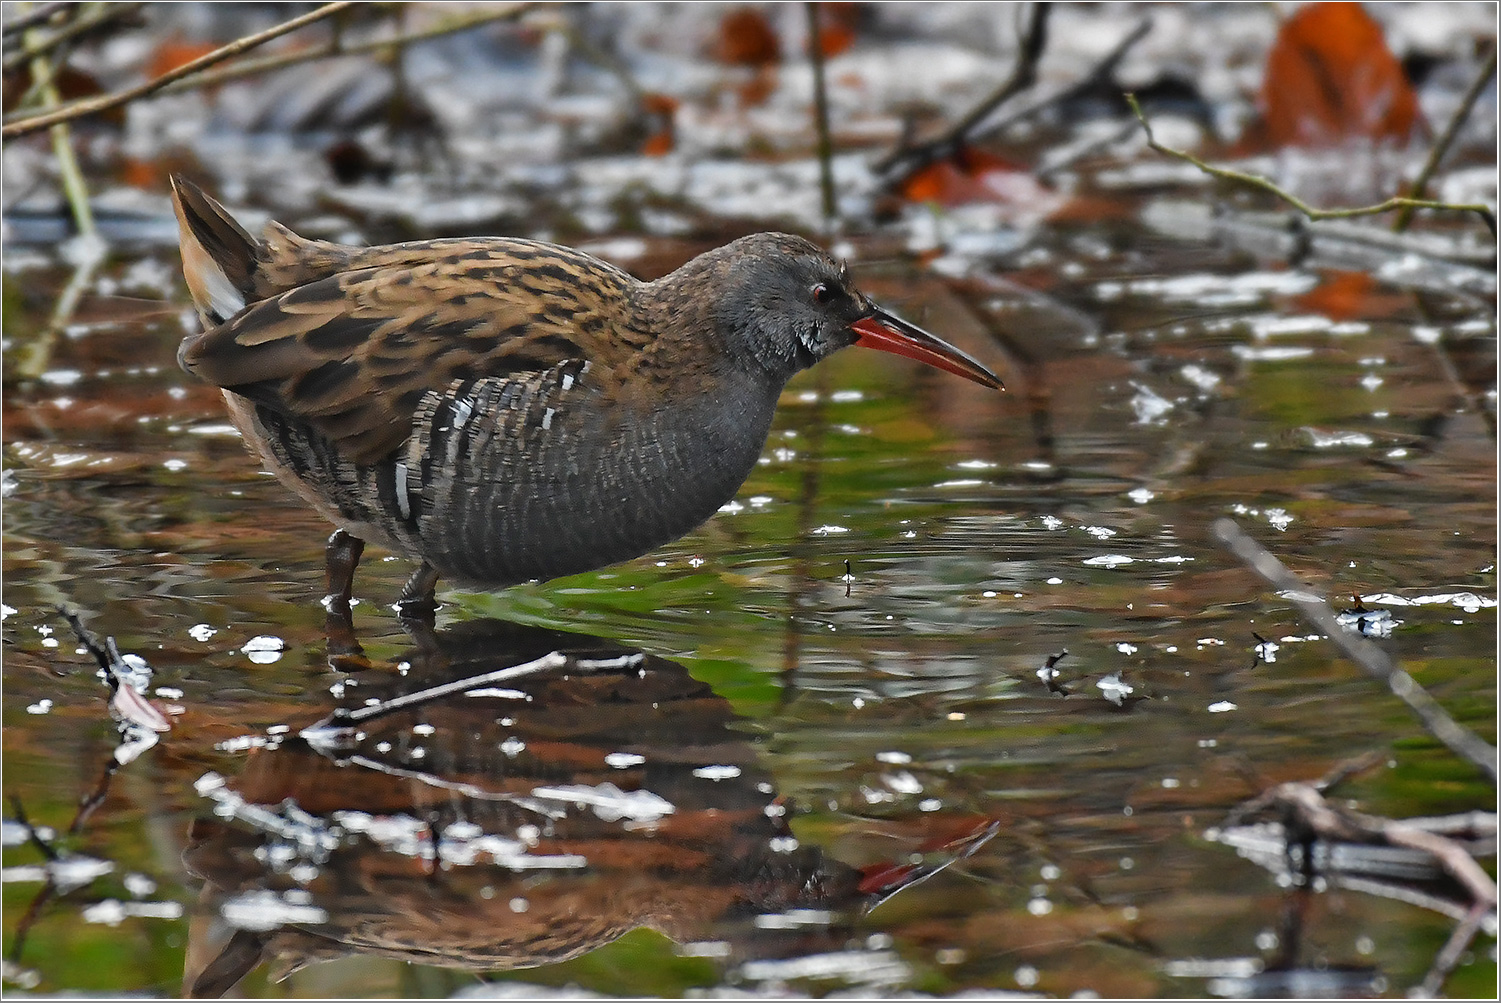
<point x="341" y="557"/>
<point x="418" y="599"/>
<point x="344" y="651"/>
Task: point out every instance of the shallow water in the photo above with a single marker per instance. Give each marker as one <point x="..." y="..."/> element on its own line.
<point x="887" y="706"/>
<point x="807" y="747"/>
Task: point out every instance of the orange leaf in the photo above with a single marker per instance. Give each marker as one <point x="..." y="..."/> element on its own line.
<point x="746" y="38"/>
<point x="968" y="176"/>
<point x="658" y="143"/>
<point x="137" y="173"/>
<point x="1330" y="77"/>
<point x="654" y="103"/>
<point x="660" y="108"/>
<point x="836" y="26"/>
<point x="174" y="52"/>
<point x="1345" y="295"/>
<point x="758" y="88"/>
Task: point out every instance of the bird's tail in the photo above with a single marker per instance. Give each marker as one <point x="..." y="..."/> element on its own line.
<point x="219" y="258"/>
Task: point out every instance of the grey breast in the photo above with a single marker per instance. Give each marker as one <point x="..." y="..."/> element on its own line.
<point x="509" y="479"/>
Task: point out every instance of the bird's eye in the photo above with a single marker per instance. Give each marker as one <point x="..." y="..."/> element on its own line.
<point x="822" y="294"/>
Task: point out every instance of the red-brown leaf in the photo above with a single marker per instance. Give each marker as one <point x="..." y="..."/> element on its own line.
<point x="1330" y="77"/>
<point x="746" y="38"/>
<point x="968" y="176"/>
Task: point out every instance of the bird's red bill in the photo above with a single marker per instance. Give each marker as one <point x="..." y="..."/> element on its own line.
<point x="888" y="333"/>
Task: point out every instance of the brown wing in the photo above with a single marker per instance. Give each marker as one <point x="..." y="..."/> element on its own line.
<point x="352" y="354"/>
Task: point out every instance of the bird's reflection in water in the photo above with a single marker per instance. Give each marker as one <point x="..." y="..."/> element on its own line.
<point x="458" y="810"/>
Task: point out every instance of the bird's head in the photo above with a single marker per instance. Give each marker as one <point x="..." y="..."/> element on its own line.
<point x="784" y="304"/>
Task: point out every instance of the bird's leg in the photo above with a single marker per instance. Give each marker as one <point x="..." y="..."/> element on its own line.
<point x="341" y="557"/>
<point x="418" y="601"/>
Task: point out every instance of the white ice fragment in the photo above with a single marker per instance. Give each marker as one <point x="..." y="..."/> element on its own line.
<point x="261" y="910"/>
<point x="609" y="802"/>
<point x="1113" y="689"/>
<point x="1149" y="405"/>
<point x="263" y="649"/>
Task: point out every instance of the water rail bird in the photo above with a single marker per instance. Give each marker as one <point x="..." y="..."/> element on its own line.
<point x="501" y="409"/>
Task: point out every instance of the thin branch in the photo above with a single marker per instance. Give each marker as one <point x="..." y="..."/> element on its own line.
<point x="101" y="14"/>
<point x="1441" y="146"/>
<point x="32" y="836"/>
<point x="1341" y="772"/>
<point x="1304" y="807"/>
<point x="1023" y="76"/>
<point x="337" y="47"/>
<point x="1257" y="181"/>
<point x="1460" y="865"/>
<point x="332" y="728"/>
<point x="92" y="106"/>
<point x="1101" y="75"/>
<point x="1369" y="657"/>
<point x="44" y="81"/>
<point x="1448" y="957"/>
<point x="821" y="117"/>
<point x="38" y="14"/>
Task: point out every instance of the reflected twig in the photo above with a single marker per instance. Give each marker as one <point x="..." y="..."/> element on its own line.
<point x="1369" y="657"/>
<point x="1257" y="181"/>
<point x="33" y="358"/>
<point x="800" y="549"/>
<point x="44" y="894"/>
<point x="32" y="836"/>
<point x="331" y="729"/>
<point x="1448" y="957"/>
<point x="1308" y="815"/>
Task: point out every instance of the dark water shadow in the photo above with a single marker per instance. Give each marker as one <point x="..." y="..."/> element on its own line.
<point x="504" y="796"/>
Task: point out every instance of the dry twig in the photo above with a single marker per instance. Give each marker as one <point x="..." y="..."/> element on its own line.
<point x="1442" y="144"/>
<point x="92" y="106"/>
<point x="1256" y="181"/>
<point x="1369" y="657"/>
<point x="339" y="47"/>
<point x="37" y="15"/>
<point x="821" y="117"/>
<point x="1023" y="76"/>
<point x="1102" y="75"/>
<point x="1448" y="957"/>
<point x="100" y="14"/>
<point x="1306" y="807"/>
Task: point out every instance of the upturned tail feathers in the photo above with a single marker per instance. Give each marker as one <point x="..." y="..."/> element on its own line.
<point x="219" y="258"/>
